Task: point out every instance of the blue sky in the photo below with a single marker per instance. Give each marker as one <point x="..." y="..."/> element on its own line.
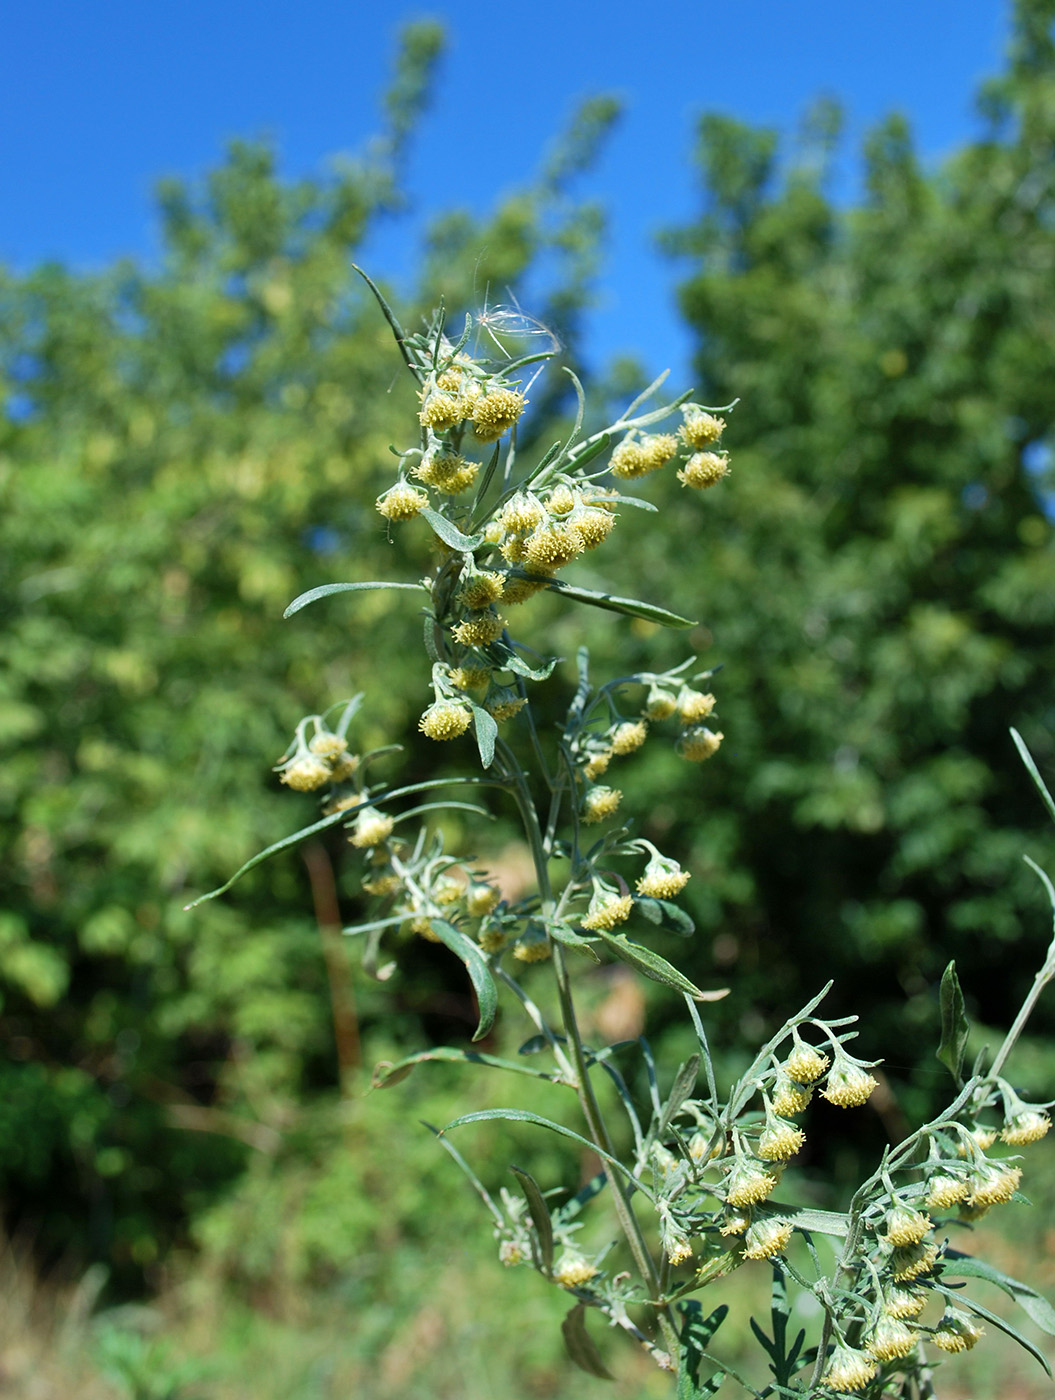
<point x="100" y="99"/>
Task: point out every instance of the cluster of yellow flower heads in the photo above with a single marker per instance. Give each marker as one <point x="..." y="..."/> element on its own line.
<point x="637" y="456"/>
<point x="321" y="761"/>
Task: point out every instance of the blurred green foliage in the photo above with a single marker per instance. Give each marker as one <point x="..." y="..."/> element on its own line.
<point x="183" y="449"/>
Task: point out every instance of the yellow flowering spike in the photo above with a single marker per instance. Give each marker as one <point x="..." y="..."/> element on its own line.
<point x="703" y="470"/>
<point x="445" y="719"/>
<point x="495" y="412"/>
<point x="402" y="502"/>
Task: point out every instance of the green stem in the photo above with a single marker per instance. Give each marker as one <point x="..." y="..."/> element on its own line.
<point x="598" y="1129"/>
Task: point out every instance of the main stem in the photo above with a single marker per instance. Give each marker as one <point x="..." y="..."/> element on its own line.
<point x="591" y="1109"/>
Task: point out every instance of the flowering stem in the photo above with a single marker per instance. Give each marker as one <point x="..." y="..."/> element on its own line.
<point x="591" y="1109"/>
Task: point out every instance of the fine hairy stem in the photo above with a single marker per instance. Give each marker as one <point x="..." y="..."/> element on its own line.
<point x="598" y="1129"/>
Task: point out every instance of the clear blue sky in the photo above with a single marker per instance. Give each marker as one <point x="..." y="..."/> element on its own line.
<point x="100" y="97"/>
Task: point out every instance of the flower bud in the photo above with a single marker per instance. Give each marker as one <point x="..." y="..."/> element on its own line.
<point x="945" y="1191"/>
<point x="779" y="1140"/>
<point x="1026" y="1127"/>
<point x="748" y="1183"/>
<point x="607" y="910"/>
<point x="572" y="1270"/>
<point x="703" y="470"/>
<point x="907" y="1226"/>
<point x="698" y="744"/>
<point x="848" y="1085"/>
<point x="600" y="803"/>
<point x="480" y="898"/>
<point x="479" y="631"/>
<point x="305" y="773"/>
<point x="957" y="1331"/>
<point x="662" y="879"/>
<point x="766" y="1238"/>
<point x="402" y="502"/>
<point x="446" y="719"/>
<point x="805" y="1064"/>
<point x="848" y="1370"/>
<point x="627" y="737"/>
<point x="694" y="706"/>
<point x="700" y="429"/>
<point x="909" y="1261"/>
<point x="891" y="1339"/>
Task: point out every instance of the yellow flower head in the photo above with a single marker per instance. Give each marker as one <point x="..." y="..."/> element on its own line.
<point x="662" y="879"/>
<point x="766" y="1238"/>
<point x="607" y="910"/>
<point x="402" y="502"/>
<point x="495" y="412"/>
<point x="592" y="526"/>
<point x="471" y="677"/>
<point x="694" y="706"/>
<point x="703" y="470"/>
<point x="907" y="1226"/>
<point x="848" y="1370"/>
<point x="1026" y="1127"/>
<point x="551" y="547"/>
<point x="600" y="803"/>
<point x="504" y="703"/>
<point x="447" y="473"/>
<point x="519" y="590"/>
<point x="305" y="773"/>
<point x="660" y="704"/>
<point x="327" y="745"/>
<point x="628" y="460"/>
<point x="522" y="513"/>
<point x="479" y="631"/>
<point x="532" y="947"/>
<point x="657" y="449"/>
<point x="572" y="1270"/>
<point x="445" y="719"/>
<point x="789" y="1096"/>
<point x="481" y="898"/>
<point x="480" y="590"/>
<point x="627" y="737"/>
<point x="370" y="828"/>
<point x="383" y="885"/>
<point x="699" y="743"/>
<point x="945" y="1191"/>
<point x="560" y="500"/>
<point x="440" y="410"/>
<point x="904" y="1302"/>
<point x="748" y="1183"/>
<point x="346" y="766"/>
<point x="780" y="1140"/>
<point x="909" y="1261"/>
<point x="805" y="1064"/>
<point x="957" y="1331"/>
<point x="848" y="1086"/>
<point x="597" y="763"/>
<point x="700" y="429"/>
<point x="995" y="1185"/>
<point x="891" y="1339"/>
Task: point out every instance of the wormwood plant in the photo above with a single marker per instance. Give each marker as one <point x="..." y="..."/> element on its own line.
<point x="692" y="1180"/>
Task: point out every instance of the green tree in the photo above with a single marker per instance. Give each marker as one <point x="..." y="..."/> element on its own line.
<point x="182" y="450"/>
<point x="878" y="574"/>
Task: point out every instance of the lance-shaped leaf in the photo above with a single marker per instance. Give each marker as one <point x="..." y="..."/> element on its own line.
<point x="630" y="607"/>
<point x="486" y="731"/>
<point x="580" y="1345"/>
<point x="301" y="835"/>
<point x="684" y="1083"/>
<point x="450" y="534"/>
<point x="386" y="1073"/>
<point x="954" y="1027"/>
<point x="540" y="1216"/>
<point x="521" y="1115"/>
<point x="651" y="965"/>
<point x="325" y="590"/>
<point x="665" y="914"/>
<point x="479" y="972"/>
<point x="1034" y="772"/>
<point x="957" y="1265"/>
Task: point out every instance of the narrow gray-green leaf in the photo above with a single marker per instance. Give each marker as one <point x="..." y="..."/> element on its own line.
<point x="684" y="1084"/>
<point x="957" y="1265"/>
<point x="630" y="607"/>
<point x="666" y="914"/>
<point x="450" y="534"/>
<point x="580" y="1345"/>
<point x="325" y="590"/>
<point x="521" y="1115"/>
<point x="1034" y="772"/>
<point x="651" y="965"/>
<point x="954" y="1026"/>
<point x="397" y="330"/>
<point x="386" y="1073"/>
<point x="286" y="841"/>
<point x="540" y="1216"/>
<point x="476" y="966"/>
<point x="486" y="731"/>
